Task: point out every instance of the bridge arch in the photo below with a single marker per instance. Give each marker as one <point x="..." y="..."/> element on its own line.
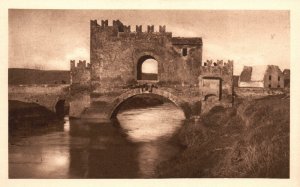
<point x="59" y="106"/>
<point x="183" y="105"/>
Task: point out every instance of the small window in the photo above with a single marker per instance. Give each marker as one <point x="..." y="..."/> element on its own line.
<point x="205" y="64"/>
<point x="278" y="86"/>
<point x="269" y="85"/>
<point x="120" y="29"/>
<point x="215" y="64"/>
<point x="184" y="51"/>
<point x="278" y="78"/>
<point x="270" y="77"/>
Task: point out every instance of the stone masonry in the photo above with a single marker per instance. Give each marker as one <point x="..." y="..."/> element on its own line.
<point x="116" y="57"/>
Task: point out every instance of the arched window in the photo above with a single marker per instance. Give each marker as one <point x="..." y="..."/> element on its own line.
<point x="147" y="68"/>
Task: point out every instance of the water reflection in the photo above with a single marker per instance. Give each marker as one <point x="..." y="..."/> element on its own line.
<point x="66" y="124"/>
<point x="152" y="128"/>
<point x="130" y="148"/>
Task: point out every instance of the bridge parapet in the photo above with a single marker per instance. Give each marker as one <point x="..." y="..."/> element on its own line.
<point x="44" y="95"/>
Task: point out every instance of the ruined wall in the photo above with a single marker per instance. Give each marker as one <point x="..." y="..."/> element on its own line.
<point x="216" y="84"/>
<point x="287" y="75"/>
<point x="274" y="78"/>
<point x="256" y="92"/>
<point x="216" y="77"/>
<point x="116" y="50"/>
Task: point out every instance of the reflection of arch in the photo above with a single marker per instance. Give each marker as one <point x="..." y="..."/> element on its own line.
<point x="140" y="75"/>
<point x="127" y="95"/>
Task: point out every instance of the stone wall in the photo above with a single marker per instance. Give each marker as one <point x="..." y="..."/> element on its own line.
<point x="216" y="84"/>
<point x="269" y="76"/>
<point x="115" y="52"/>
<point x="212" y="73"/>
<point x="274" y="78"/>
<point x="80" y="74"/>
<point x="257" y="92"/>
<point x="116" y="55"/>
<point x="287" y="75"/>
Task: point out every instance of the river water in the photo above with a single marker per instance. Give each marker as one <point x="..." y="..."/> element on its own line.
<point x="131" y="147"/>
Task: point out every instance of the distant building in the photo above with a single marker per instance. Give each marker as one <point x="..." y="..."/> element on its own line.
<point x="287" y="75"/>
<point x="269" y="76"/>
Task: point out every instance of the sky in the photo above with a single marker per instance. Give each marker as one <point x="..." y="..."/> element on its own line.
<point x="49" y="39"/>
<point x="150" y="66"/>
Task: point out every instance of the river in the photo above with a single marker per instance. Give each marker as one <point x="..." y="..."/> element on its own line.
<point x="130" y="147"/>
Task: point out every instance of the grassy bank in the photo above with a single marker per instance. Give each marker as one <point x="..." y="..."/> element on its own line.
<point x="248" y="140"/>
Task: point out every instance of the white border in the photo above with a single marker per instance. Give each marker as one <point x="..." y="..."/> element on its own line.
<point x="292" y="5"/>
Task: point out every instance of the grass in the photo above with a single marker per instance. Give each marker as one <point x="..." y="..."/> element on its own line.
<point x="248" y="140"/>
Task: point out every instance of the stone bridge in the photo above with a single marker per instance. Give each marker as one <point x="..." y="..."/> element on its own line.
<point x="51" y="97"/>
<point x="116" y="72"/>
<point x="107" y="106"/>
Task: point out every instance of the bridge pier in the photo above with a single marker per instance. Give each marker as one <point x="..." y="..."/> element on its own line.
<point x="78" y="104"/>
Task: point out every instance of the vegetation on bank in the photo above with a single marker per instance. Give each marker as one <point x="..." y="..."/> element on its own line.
<point x="248" y="140"/>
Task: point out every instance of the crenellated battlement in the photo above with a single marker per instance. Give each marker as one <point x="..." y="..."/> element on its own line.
<point x="217" y="68"/>
<point x="218" y="63"/>
<point x="80" y="65"/>
<point x="80" y="73"/>
<point x="117" y="24"/>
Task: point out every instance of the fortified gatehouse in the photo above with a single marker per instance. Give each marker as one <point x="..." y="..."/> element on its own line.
<point x="117" y="56"/>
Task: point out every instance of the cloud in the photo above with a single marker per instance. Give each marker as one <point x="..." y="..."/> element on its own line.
<point x="78" y="53"/>
<point x="241" y="59"/>
<point x="63" y="63"/>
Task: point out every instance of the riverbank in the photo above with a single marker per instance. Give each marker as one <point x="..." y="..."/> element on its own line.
<point x="248" y="140"/>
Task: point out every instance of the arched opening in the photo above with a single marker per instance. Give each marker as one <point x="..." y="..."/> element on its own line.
<point x="147" y="68"/>
<point x="60" y="108"/>
<point x="185" y="108"/>
<point x="148" y="117"/>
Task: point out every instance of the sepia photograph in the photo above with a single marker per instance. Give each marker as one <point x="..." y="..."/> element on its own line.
<point x="149" y="94"/>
